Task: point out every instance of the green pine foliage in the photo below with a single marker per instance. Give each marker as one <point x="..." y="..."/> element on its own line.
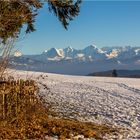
<point x="16" y="13"/>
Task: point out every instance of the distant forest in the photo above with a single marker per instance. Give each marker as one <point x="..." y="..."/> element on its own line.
<point x="118" y="73"/>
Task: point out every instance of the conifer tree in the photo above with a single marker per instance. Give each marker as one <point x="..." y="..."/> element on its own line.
<point x="16" y="13"/>
<point x="114" y="73"/>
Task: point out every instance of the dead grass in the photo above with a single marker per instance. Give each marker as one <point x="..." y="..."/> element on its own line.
<point x="64" y="128"/>
<point x="27" y="118"/>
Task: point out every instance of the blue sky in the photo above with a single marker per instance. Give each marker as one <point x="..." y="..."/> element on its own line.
<point x="103" y="23"/>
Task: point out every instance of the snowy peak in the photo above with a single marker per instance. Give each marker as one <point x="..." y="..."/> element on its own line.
<point x="69" y="52"/>
<point x="17" y="54"/>
<point x="52" y="53"/>
<point x="113" y="54"/>
<point x="125" y="52"/>
<point x="91" y="47"/>
<point x="69" y="49"/>
<point x="137" y="51"/>
<point x="93" y="52"/>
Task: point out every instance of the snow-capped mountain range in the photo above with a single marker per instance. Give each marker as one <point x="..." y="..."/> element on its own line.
<point x="90" y="53"/>
<point x="83" y="61"/>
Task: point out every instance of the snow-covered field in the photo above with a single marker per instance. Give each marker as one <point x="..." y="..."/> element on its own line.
<point x="113" y="101"/>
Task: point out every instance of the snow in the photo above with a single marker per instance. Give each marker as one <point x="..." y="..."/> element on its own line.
<point x="113" y="54"/>
<point x="53" y="52"/>
<point x="80" y="55"/>
<point x="17" y="54"/>
<point x="113" y="101"/>
<point x="56" y="58"/>
<point x="138" y="62"/>
<point x="137" y="51"/>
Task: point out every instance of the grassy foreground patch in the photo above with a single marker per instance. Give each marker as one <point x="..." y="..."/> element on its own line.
<point x="23" y="116"/>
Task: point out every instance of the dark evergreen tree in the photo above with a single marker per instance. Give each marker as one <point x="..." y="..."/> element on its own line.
<point x="16" y="13"/>
<point x="114" y="73"/>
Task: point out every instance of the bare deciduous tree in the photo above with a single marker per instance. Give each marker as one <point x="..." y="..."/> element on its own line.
<point x="5" y="51"/>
